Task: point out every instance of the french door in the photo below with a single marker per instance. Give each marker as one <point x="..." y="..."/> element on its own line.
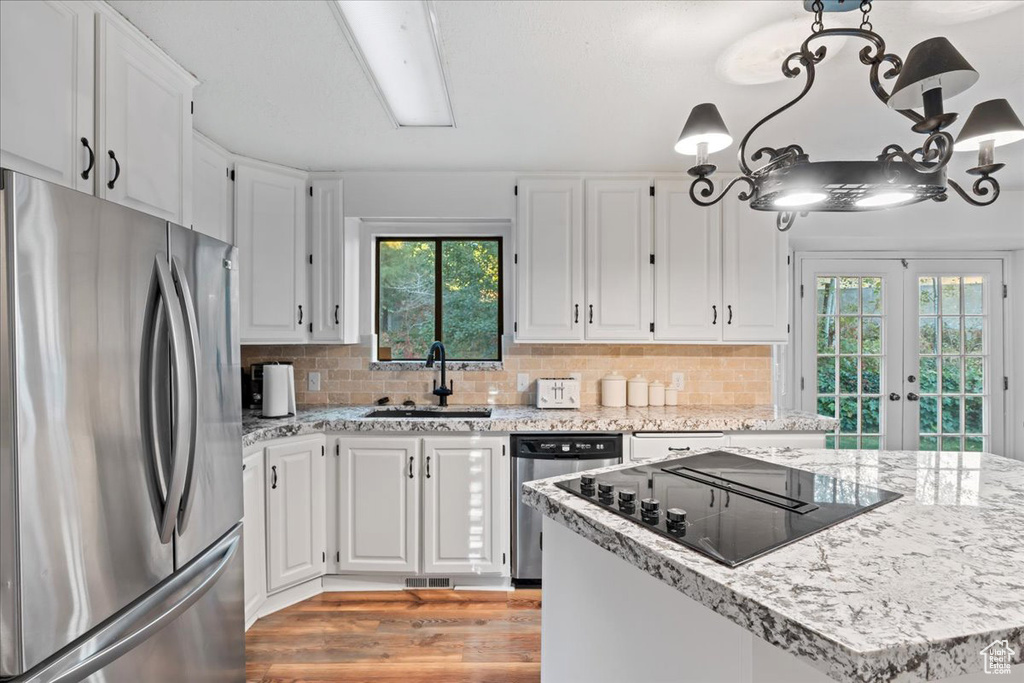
<point x="908" y="354"/>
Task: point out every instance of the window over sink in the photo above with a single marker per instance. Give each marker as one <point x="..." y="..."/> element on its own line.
<point x="446" y="288"/>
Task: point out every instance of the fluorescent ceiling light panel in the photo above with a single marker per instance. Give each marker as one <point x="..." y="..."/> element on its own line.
<point x="398" y="46"/>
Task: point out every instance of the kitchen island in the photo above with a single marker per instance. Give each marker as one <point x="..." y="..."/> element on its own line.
<point x="687" y="418"/>
<point x="926" y="587"/>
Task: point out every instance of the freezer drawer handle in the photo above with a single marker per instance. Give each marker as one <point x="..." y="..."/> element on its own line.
<point x="130" y="627"/>
<point x="117" y="170"/>
<point x="184" y="292"/>
<point x="92" y="159"/>
<point x="167" y="480"/>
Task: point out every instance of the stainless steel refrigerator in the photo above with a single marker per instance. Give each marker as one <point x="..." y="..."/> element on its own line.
<point x="121" y="456"/>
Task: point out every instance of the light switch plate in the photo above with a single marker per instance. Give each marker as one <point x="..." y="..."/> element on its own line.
<point x="677" y="381"/>
<point x="313" y="381"/>
<point x="522" y="381"/>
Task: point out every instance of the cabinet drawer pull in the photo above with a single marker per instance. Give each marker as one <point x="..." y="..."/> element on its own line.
<point x="591" y="314"/>
<point x="576" y="313"/>
<point x="117" y="169"/>
<point x="714" y="315"/>
<point x="336" y="308"/>
<point x="410" y="467"/>
<point x="273" y="473"/>
<point x="679" y="449"/>
<point x="300" y="314"/>
<point x="92" y="159"/>
<point x="729" y="322"/>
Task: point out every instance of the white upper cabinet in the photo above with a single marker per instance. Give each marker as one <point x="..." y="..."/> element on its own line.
<point x="270" y="232"/>
<point x="755" y="275"/>
<point x="378" y="504"/>
<point x="688" y="266"/>
<point x="461" y="489"/>
<point x="296" y="511"/>
<point x="327" y="235"/>
<point x="618" y="251"/>
<point x="46" y="91"/>
<point x="144" y="124"/>
<point x="212" y="192"/>
<point x="549" y="254"/>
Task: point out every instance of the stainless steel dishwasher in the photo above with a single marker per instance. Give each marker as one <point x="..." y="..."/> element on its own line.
<point x="538" y="457"/>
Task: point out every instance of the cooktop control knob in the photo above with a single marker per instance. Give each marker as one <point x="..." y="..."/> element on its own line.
<point x="605" y="489"/>
<point x="588" y="480"/>
<point x="676" y="515"/>
<point x="650" y="506"/>
<point x="626" y="496"/>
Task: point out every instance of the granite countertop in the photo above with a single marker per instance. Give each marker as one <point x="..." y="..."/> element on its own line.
<point x="528" y="419"/>
<point x="911" y="590"/>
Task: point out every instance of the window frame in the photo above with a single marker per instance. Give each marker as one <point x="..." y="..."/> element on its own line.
<point x="439" y="241"/>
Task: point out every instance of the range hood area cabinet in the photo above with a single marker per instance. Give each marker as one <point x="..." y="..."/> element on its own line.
<point x="289" y="229"/>
<point x="92" y="104"/>
<point x="585" y="272"/>
<point x="720" y="272"/>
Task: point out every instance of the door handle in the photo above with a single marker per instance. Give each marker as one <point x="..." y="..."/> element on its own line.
<point x="893" y="396"/>
<point x="168" y="481"/>
<point x="184" y="292"/>
<point x="714" y="315"/>
<point x="912" y="396"/>
<point x="92" y="159"/>
<point x="591" y="314"/>
<point x="712" y="498"/>
<point x="336" y="308"/>
<point x="300" y="314"/>
<point x="410" y="466"/>
<point x="729" y="321"/>
<point x="428" y="467"/>
<point x="138" y="621"/>
<point x="576" y="313"/>
<point x="117" y="170"/>
<point x="273" y="476"/>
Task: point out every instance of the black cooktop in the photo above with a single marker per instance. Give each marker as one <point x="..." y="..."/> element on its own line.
<point x="727" y="506"/>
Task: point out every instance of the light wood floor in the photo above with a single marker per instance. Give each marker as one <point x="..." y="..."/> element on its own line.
<point x="429" y="636"/>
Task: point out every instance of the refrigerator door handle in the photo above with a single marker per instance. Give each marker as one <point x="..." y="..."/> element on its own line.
<point x="170" y="481"/>
<point x="130" y="627"/>
<point x="184" y="292"/>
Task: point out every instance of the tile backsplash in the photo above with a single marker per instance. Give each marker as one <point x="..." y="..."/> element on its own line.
<point x="713" y="375"/>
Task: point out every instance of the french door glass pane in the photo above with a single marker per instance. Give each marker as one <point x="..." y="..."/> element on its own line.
<point x="951" y="333"/>
<point x="850" y="362"/>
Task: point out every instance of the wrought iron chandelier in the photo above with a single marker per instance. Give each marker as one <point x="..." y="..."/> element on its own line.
<point x="790" y="183"/>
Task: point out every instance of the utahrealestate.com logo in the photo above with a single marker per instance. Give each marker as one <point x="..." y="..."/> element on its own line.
<point x="997" y="657"/>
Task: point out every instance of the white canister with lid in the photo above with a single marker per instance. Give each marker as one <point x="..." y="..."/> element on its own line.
<point x="613" y="391"/>
<point x="671" y="397"/>
<point x="656" y="393"/>
<point x="636" y="392"/>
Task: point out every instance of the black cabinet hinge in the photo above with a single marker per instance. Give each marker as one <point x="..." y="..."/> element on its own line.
<point x="310" y="259"/>
<point x="515" y="258"/>
<point x="652" y="327"/>
<point x="515" y="190"/>
<point x="1006" y="383"/>
<point x="322" y="452"/>
<point x="503" y="558"/>
<point x="310" y="190"/>
<point x="652" y="259"/>
<point x="801" y="291"/>
<point x="652" y="190"/>
<point x="192" y="107"/>
<point x="232" y="174"/>
<point x="1005" y="292"/>
<point x="515" y="327"/>
<point x="337" y="556"/>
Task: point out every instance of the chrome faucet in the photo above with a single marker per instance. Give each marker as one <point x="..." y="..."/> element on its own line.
<point x="442" y="392"/>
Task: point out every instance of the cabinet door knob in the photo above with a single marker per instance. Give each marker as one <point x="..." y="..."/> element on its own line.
<point x="92" y="159"/>
<point x="117" y="170"/>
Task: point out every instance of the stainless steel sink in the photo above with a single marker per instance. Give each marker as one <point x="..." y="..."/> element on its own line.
<point x="437" y="414"/>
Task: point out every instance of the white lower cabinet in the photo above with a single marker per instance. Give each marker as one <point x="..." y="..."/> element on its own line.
<point x="254" y="534"/>
<point x="378" y="504"/>
<point x="296" y="511"/>
<point x="647" y="445"/>
<point x="461" y="488"/>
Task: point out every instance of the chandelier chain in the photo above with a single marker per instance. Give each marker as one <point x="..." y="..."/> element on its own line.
<point x="865" y="10"/>
<point x="818" y="25"/>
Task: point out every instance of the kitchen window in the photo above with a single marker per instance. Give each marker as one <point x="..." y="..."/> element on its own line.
<point x="446" y="288"/>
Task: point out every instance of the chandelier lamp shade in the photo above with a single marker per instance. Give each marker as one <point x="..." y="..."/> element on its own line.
<point x="788" y="182"/>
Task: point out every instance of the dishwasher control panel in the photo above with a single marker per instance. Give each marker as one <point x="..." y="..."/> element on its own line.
<point x="569" y="446"/>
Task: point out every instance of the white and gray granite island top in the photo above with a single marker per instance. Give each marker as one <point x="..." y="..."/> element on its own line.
<point x="529" y="419"/>
<point x="912" y="590"/>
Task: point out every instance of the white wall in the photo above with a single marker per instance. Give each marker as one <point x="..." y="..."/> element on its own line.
<point x="400" y="194"/>
<point x="1015" y="356"/>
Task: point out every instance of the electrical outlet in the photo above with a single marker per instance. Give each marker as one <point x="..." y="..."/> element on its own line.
<point x="522" y="381"/>
<point x="677" y="381"/>
<point x="313" y="381"/>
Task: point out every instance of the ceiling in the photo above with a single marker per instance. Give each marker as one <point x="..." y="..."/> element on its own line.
<point x="562" y="86"/>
